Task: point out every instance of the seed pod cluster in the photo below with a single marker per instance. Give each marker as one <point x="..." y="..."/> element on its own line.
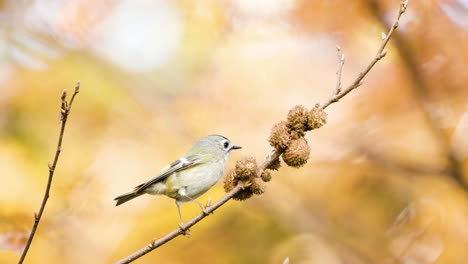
<point x="288" y="136"/>
<point x="245" y="171"/>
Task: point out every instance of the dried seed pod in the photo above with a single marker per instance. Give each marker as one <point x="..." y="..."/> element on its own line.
<point x="266" y="176"/>
<point x="296" y="134"/>
<point x="243" y="195"/>
<point x="317" y="118"/>
<point x="230" y="181"/>
<point x="279" y="137"/>
<point x="246" y="171"/>
<point x="246" y="168"/>
<point x="274" y="165"/>
<point x="297" y="154"/>
<point x="258" y="186"/>
<point x="297" y="118"/>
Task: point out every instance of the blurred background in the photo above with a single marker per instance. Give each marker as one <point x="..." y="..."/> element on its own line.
<point x="387" y="178"/>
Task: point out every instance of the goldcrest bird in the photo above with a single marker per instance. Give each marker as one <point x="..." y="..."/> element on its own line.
<point x="190" y="176"/>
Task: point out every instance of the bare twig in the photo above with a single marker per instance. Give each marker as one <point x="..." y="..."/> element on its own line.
<point x="380" y="54"/>
<point x="64" y="112"/>
<point x="274" y="155"/>
<point x="341" y="60"/>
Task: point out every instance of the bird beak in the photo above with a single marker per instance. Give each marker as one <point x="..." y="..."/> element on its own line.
<point x="236" y="147"/>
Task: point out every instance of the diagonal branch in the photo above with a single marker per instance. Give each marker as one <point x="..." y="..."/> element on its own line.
<point x="274" y="155"/>
<point x="64" y="112"/>
<point x="380" y="54"/>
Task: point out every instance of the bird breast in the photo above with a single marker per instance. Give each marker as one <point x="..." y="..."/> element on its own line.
<point x="194" y="181"/>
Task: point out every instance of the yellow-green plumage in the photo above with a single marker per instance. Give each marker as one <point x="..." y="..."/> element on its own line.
<point x="190" y="176"/>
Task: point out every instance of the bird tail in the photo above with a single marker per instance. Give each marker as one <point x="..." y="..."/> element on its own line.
<point x="126" y="197"/>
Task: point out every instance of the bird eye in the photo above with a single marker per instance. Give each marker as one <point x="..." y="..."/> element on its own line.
<point x="226" y="145"/>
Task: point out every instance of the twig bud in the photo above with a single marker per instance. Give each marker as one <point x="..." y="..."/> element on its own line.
<point x="77" y="86"/>
<point x="342" y="58"/>
<point x="404" y="5"/>
<point x="64" y="95"/>
<point x="383" y="54"/>
<point x="384" y="36"/>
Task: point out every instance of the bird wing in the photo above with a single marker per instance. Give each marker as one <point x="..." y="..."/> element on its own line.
<point x="176" y="166"/>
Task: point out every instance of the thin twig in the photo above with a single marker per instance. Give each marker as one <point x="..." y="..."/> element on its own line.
<point x="380" y="54"/>
<point x="274" y="155"/>
<point x="341" y="61"/>
<point x="64" y="112"/>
